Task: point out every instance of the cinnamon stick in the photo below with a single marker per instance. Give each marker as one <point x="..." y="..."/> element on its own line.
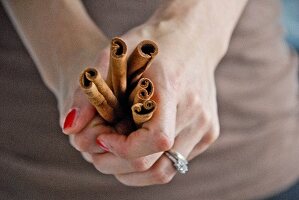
<point x="140" y="60"/>
<point x="95" y="77"/>
<point x="143" y="91"/>
<point x="142" y="112"/>
<point x="97" y="99"/>
<point x="117" y="74"/>
<point x="108" y="97"/>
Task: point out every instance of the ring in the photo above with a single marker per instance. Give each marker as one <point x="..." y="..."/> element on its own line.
<point x="179" y="161"/>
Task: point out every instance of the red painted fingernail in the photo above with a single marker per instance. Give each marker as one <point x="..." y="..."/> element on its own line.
<point x="69" y="120"/>
<point x="102" y="145"/>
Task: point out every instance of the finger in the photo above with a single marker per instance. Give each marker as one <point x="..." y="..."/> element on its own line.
<point x="154" y="136"/>
<point x="108" y="163"/>
<point x="211" y="135"/>
<point x="209" y="138"/>
<point x="163" y="170"/>
<point x="85" y="141"/>
<point x="79" y="115"/>
<point x="188" y="116"/>
<point x="82" y="111"/>
<point x="187" y="138"/>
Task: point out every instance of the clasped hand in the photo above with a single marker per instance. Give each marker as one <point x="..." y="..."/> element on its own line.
<point x="186" y="119"/>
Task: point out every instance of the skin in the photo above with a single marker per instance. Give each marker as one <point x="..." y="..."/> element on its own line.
<point x="192" y="36"/>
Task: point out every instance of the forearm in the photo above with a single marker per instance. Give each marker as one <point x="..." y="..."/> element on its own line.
<point x="202" y="27"/>
<point x="59" y="35"/>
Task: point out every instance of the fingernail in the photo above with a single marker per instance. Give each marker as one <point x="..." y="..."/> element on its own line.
<point x="69" y="120"/>
<point x="102" y="145"/>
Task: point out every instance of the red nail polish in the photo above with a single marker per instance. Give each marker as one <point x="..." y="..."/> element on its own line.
<point x="69" y="120"/>
<point x="102" y="145"/>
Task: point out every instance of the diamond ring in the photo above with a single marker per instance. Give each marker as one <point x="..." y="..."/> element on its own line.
<point x="179" y="161"/>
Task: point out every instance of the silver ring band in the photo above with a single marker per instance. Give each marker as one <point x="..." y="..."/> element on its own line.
<point x="179" y="161"/>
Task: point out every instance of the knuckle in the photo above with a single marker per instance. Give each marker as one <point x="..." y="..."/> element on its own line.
<point x="194" y="101"/>
<point x="206" y="118"/>
<point x="141" y="165"/>
<point x="123" y="153"/>
<point x="163" y="141"/>
<point x="211" y="137"/>
<point x="214" y="131"/>
<point x="161" y="176"/>
<point x="214" y="134"/>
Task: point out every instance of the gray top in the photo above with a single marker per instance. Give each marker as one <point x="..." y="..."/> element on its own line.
<point x="255" y="156"/>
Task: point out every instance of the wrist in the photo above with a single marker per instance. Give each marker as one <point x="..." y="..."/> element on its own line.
<point x="198" y="29"/>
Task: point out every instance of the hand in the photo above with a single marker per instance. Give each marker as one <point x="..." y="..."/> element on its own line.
<point x="186" y="120"/>
<point x="192" y="36"/>
<point x="183" y="72"/>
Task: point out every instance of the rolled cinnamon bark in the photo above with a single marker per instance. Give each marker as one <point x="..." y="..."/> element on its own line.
<point x="143" y="91"/>
<point x="117" y="74"/>
<point x="140" y="60"/>
<point x="142" y="112"/>
<point x="97" y="99"/>
<point x="95" y="77"/>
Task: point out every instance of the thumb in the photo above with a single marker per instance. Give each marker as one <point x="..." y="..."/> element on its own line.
<point x="79" y="115"/>
<point x="81" y="112"/>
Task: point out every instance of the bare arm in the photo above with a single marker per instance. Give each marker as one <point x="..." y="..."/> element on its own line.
<point x="60" y="37"/>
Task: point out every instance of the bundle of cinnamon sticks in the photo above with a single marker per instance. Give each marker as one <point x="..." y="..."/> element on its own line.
<point x="125" y="86"/>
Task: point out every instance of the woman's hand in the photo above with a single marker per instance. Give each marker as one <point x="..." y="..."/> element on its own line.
<point x="186" y="118"/>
